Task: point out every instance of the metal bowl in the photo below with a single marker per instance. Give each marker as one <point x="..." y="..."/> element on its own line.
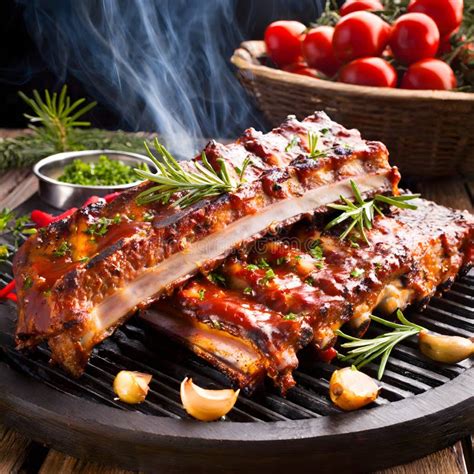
<point x="65" y="195"/>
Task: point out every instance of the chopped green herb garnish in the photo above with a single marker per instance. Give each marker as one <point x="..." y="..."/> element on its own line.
<point x="47" y="292"/>
<point x="357" y="272"/>
<point x="4" y="253"/>
<point x="290" y="316"/>
<point x="202" y="293"/>
<point x="263" y="264"/>
<point x="216" y="278"/>
<point x="269" y="275"/>
<point x="104" y="172"/>
<point x="324" y="131"/>
<point x="281" y="261"/>
<point x="309" y="281"/>
<point x="101" y="226"/>
<point x="27" y="282"/>
<point x="252" y="267"/>
<point x="62" y="250"/>
<point x="354" y="245"/>
<point x="83" y="259"/>
<point x="292" y="143"/>
<point x="248" y="291"/>
<point x="298" y="257"/>
<point x="216" y="324"/>
<point x="148" y="217"/>
<point x="316" y="250"/>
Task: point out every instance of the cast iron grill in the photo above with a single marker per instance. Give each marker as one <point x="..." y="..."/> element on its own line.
<point x="136" y="346"/>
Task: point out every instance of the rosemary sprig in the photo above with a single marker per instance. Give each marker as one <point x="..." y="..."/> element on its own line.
<point x="57" y="114"/>
<point x="172" y="178"/>
<point x="363" y="351"/>
<point x="313" y="139"/>
<point x="362" y="212"/>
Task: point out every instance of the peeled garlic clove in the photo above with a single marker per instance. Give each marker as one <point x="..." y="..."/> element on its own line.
<point x="447" y="349"/>
<point x="131" y="387"/>
<point x="206" y="405"/>
<point x="350" y="389"/>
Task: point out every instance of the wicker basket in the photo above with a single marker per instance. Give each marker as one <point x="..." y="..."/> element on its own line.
<point x="428" y="133"/>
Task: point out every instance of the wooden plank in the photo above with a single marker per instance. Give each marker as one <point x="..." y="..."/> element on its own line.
<point x="13" y="450"/>
<point x="447" y="461"/>
<point x="452" y="192"/>
<point x="17" y="186"/>
<point x="57" y="462"/>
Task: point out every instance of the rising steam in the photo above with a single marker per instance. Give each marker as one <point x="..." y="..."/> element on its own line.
<point x="162" y="64"/>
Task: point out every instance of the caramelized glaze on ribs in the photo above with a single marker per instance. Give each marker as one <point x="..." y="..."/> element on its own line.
<point x="75" y="300"/>
<point x="411" y="255"/>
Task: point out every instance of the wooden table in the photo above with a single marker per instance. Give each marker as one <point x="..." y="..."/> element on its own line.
<point x="19" y="454"/>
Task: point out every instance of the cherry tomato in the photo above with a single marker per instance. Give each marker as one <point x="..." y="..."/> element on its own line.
<point x="447" y="14"/>
<point x="283" y="41"/>
<point x="431" y="74"/>
<point x="318" y="52"/>
<point x="357" y="5"/>
<point x="308" y="71"/>
<point x="414" y="36"/>
<point x="294" y="66"/>
<point x="360" y="34"/>
<point x="374" y="72"/>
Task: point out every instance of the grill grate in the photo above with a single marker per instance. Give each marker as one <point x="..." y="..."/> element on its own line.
<point x="136" y="347"/>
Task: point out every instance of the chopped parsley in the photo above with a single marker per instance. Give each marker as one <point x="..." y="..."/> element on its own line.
<point x="216" y="324"/>
<point x="27" y="282"/>
<point x="103" y="172"/>
<point x="47" y="292"/>
<point x="62" y="250"/>
<point x="357" y="272"/>
<point x="290" y="316"/>
<point x="324" y="131"/>
<point x="101" y="226"/>
<point x="248" y="291"/>
<point x="378" y="265"/>
<point x="202" y="293"/>
<point x="309" y="281"/>
<point x="147" y="217"/>
<point x="269" y="275"/>
<point x="292" y="143"/>
<point x="216" y="278"/>
<point x="252" y="267"/>
<point x="83" y="259"/>
<point x="316" y="250"/>
<point x="354" y="245"/>
<point x="281" y="261"/>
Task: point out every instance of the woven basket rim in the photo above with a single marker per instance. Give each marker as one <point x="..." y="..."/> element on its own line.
<point x="245" y="59"/>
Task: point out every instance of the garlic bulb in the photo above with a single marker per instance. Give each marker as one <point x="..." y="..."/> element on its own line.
<point x="206" y="405"/>
<point x="131" y="387"/>
<point x="447" y="349"/>
<point x="350" y="389"/>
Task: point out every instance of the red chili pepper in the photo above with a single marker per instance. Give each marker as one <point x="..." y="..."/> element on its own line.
<point x="7" y="289"/>
<point x="40" y="218"/>
<point x="110" y="197"/>
<point x="65" y="214"/>
<point x="92" y="200"/>
<point x="327" y="355"/>
<point x="12" y="297"/>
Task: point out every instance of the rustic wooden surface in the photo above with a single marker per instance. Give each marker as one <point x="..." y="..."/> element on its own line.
<point x="20" y="455"/>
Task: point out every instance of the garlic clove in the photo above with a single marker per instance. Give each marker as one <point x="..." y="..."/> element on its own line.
<point x="131" y="387"/>
<point x="351" y="389"/>
<point x="206" y="405"/>
<point x="447" y="349"/>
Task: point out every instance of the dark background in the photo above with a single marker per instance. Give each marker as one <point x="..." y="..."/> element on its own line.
<point x="22" y="66"/>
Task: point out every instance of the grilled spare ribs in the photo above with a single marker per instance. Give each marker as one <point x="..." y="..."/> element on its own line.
<point x="296" y="291"/>
<point x="81" y="277"/>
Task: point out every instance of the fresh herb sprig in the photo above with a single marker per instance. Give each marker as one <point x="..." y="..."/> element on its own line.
<point x="363" y="351"/>
<point x="314" y="153"/>
<point x="362" y="212"/>
<point x="172" y="178"/>
<point x="56" y="114"/>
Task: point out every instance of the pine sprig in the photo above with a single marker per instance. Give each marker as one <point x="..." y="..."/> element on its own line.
<point x="56" y="114"/>
<point x="172" y="178"/>
<point x="363" y="351"/>
<point x="362" y="213"/>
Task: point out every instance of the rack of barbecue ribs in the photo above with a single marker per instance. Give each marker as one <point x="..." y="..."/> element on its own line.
<point x="249" y="277"/>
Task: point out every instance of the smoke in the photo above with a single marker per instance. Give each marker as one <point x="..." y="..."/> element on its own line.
<point x="162" y="64"/>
